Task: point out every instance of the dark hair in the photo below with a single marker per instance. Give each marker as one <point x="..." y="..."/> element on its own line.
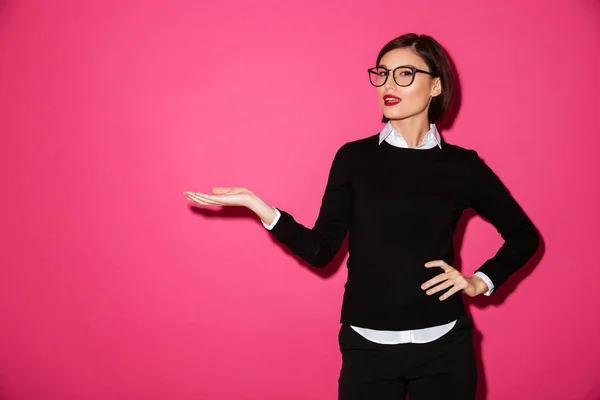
<point x="436" y="59"/>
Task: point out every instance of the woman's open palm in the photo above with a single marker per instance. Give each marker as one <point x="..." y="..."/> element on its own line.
<point x="223" y="196"/>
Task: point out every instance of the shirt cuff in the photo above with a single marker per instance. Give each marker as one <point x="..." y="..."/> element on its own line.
<point x="487" y="281"/>
<point x="277" y="215"/>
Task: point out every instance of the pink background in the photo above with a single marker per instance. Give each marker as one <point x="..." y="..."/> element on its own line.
<point x="113" y="287"/>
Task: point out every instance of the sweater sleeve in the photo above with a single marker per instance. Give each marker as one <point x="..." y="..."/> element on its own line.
<point x="492" y="200"/>
<point x="319" y="245"/>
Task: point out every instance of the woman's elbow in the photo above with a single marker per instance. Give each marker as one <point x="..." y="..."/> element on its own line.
<point x="533" y="240"/>
<point x="321" y="259"/>
<point x="321" y="255"/>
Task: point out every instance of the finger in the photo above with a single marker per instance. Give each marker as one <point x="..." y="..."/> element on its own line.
<point x="198" y="201"/>
<point x="206" y="196"/>
<point x="440" y="287"/>
<point x="202" y="200"/>
<point x="195" y="199"/>
<point x="439" y="263"/>
<point x="189" y="193"/>
<point x="191" y="196"/>
<point x="212" y="202"/>
<point x="434" y="281"/>
<point x="449" y="293"/>
<point x="217" y="199"/>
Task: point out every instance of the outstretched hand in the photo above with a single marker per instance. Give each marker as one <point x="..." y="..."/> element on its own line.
<point x="235" y="196"/>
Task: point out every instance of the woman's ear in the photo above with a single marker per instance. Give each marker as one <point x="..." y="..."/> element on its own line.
<point x="436" y="88"/>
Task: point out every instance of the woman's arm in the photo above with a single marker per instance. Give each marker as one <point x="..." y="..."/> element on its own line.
<point x="492" y="200"/>
<point x="317" y="246"/>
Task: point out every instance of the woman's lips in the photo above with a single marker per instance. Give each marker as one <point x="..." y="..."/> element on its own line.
<point x="390" y="100"/>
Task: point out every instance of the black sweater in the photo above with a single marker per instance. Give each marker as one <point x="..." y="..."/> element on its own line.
<point x="401" y="207"/>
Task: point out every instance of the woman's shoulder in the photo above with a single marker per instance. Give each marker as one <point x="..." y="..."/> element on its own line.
<point x="358" y="145"/>
<point x="459" y="151"/>
<point x="364" y="141"/>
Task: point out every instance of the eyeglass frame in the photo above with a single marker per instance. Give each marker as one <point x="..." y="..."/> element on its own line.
<point x="393" y="71"/>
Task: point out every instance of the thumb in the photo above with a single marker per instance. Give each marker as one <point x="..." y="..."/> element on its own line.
<point x="221" y="190"/>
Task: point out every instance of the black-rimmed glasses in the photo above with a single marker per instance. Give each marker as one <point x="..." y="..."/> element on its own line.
<point x="403" y="75"/>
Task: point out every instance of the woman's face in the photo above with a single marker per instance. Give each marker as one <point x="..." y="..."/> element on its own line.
<point x="405" y="102"/>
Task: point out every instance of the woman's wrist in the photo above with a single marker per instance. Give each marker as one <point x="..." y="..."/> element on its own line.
<point x="480" y="285"/>
<point x="264" y="211"/>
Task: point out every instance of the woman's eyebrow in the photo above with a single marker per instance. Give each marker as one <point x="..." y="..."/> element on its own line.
<point x="402" y="65"/>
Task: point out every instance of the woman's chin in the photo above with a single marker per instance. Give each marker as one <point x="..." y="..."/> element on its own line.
<point x="395" y="116"/>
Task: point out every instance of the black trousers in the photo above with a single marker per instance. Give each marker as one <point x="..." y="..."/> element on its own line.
<point x="444" y="369"/>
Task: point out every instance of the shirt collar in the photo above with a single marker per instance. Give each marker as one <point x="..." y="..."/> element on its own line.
<point x="431" y="139"/>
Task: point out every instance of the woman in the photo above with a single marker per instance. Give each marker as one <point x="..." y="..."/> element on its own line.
<point x="399" y="194"/>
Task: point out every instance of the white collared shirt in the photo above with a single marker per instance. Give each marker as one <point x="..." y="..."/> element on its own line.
<point x="432" y="138"/>
<point x="389" y="134"/>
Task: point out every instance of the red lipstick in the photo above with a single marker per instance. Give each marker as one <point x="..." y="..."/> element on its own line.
<point x="391" y="100"/>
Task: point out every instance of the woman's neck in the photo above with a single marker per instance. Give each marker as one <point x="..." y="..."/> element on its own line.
<point x="413" y="130"/>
